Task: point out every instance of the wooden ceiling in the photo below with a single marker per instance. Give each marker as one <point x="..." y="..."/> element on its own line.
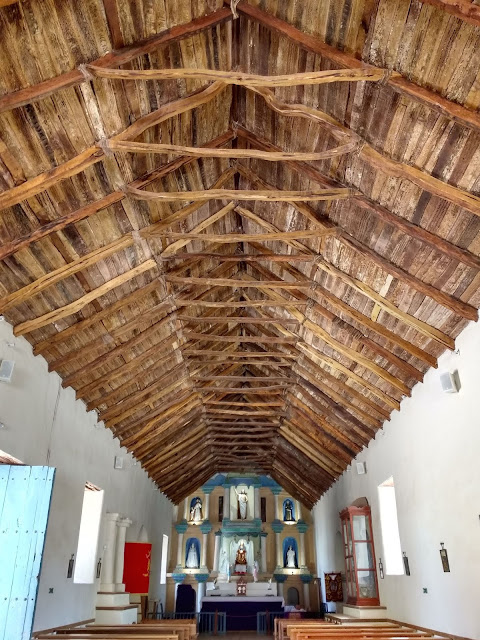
<point x="240" y="273"/>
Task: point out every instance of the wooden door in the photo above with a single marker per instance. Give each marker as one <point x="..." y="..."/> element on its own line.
<point x="25" y="494"/>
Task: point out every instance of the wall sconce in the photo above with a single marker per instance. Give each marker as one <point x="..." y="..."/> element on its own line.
<point x="444" y="558"/>
<point x="71" y="562"/>
<point x="406" y="564"/>
<point x="380" y="568"/>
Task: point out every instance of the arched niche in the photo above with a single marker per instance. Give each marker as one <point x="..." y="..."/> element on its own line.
<point x="196" y="510"/>
<point x="289" y="514"/>
<point x="290" y="542"/>
<point x="190" y="553"/>
<point x="360" y="502"/>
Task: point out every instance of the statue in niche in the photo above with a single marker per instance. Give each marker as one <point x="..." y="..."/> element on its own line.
<point x="289" y="511"/>
<point x="196" y="511"/>
<point x="224" y="564"/>
<point x="242" y="503"/>
<point x="241" y="557"/>
<point x="192" y="561"/>
<point x="291" y="558"/>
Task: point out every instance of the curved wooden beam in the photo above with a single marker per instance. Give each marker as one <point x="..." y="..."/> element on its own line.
<point x="365" y="74"/>
<point x="198" y="152"/>
<point x="237" y="194"/>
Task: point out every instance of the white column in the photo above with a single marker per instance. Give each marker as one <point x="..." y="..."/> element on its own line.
<point x="301" y="560"/>
<point x="299" y="510"/>
<point x="306" y="595"/>
<point x="203" y="554"/>
<point x="226" y="503"/>
<point x="280" y="589"/>
<point x="200" y="594"/>
<point x="122" y="526"/>
<point x="108" y="564"/>
<point x="277" y="508"/>
<point x="263" y="549"/>
<point x="206" y="506"/>
<point x="186" y="513"/>
<point x="278" y="546"/>
<point x="256" y="502"/>
<point x="179" y="549"/>
<point x="216" y="553"/>
<point x="175" y="513"/>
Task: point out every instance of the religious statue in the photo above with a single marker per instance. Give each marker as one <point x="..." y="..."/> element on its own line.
<point x="196" y="511"/>
<point x="242" y="503"/>
<point x="192" y="561"/>
<point x="291" y="557"/>
<point x="255" y="571"/>
<point x="224" y="565"/>
<point x="289" y="511"/>
<point x="241" y="557"/>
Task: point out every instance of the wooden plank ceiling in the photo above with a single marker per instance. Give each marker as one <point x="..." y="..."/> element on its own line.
<point x="272" y="330"/>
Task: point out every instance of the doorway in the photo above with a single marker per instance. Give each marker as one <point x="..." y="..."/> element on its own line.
<point x="25" y="494"/>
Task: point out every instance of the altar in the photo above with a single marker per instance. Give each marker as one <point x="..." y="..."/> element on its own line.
<point x="241" y="611"/>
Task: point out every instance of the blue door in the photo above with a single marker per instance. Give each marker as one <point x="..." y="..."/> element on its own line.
<point x="25" y="494"/>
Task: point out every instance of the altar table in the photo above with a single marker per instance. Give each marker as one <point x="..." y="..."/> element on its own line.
<point x="241" y="611"/>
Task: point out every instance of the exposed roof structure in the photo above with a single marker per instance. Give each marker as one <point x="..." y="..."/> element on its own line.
<point x="240" y="271"/>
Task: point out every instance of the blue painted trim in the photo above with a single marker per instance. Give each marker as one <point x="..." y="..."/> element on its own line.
<point x="181" y="527"/>
<point x="201" y="577"/>
<point x="302" y="526"/>
<point x="280" y="577"/>
<point x="306" y="578"/>
<point x="277" y="526"/>
<point x="179" y="577"/>
<point x="206" y="526"/>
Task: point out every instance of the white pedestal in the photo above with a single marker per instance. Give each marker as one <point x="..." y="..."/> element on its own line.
<point x="365" y="613"/>
<point x="123" y="615"/>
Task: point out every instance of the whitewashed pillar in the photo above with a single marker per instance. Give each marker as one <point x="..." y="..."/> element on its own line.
<point x="280" y="589"/>
<point x="186" y="512"/>
<point x="180" y="549"/>
<point x="175" y="513"/>
<point x="306" y="596"/>
<point x="108" y="582"/>
<point x="256" y="502"/>
<point x="206" y="506"/>
<point x="216" y="553"/>
<point x="201" y="579"/>
<point x="302" y="529"/>
<point x="263" y="551"/>
<point x="203" y="563"/>
<point x="299" y="510"/>
<point x="278" y="547"/>
<point x="277" y="507"/>
<point x="226" y="503"/>
<point x="301" y="562"/>
<point x="122" y="526"/>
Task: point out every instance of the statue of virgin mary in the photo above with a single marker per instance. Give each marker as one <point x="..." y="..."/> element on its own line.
<point x="192" y="561"/>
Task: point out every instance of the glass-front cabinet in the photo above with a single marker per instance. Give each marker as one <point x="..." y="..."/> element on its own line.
<point x="362" y="586"/>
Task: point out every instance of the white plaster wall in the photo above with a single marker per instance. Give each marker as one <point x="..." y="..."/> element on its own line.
<point x="45" y="425"/>
<point x="432" y="449"/>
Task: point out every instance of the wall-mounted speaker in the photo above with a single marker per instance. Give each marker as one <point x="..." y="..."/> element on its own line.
<point x="118" y="462"/>
<point x="6" y="370"/>
<point x="361" y="468"/>
<point x="448" y="382"/>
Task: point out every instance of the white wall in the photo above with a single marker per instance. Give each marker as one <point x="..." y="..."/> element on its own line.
<point x="431" y="447"/>
<point x="45" y="425"/>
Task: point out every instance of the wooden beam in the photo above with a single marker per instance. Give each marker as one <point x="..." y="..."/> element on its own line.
<point x="60" y="223"/>
<point x="235" y="319"/>
<point x="312" y="43"/>
<point x="113" y="20"/>
<point x="242" y="412"/>
<point x="270" y="363"/>
<point x="240" y="354"/>
<point x="95" y="154"/>
<point x="7" y="3"/>
<point x="192" y="335"/>
<point x="244" y="257"/>
<point x="274" y="388"/>
<point x="198" y="152"/>
<point x="236" y="194"/>
<point x="114" y="59"/>
<point x="181" y="302"/>
<point x="370" y="74"/>
<point x="230" y="403"/>
<point x="231" y="282"/>
<point x="69" y="309"/>
<point x="243" y="378"/>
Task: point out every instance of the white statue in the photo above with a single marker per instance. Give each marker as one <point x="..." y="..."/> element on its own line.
<point x="196" y="511"/>
<point x="192" y="561"/>
<point x="255" y="571"/>
<point x="291" y="558"/>
<point x="224" y="562"/>
<point x="242" y="503"/>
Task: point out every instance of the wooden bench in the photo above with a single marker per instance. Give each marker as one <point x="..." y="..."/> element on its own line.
<point x="318" y="630"/>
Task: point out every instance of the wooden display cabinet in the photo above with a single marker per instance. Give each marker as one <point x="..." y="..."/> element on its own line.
<point x="362" y="585"/>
